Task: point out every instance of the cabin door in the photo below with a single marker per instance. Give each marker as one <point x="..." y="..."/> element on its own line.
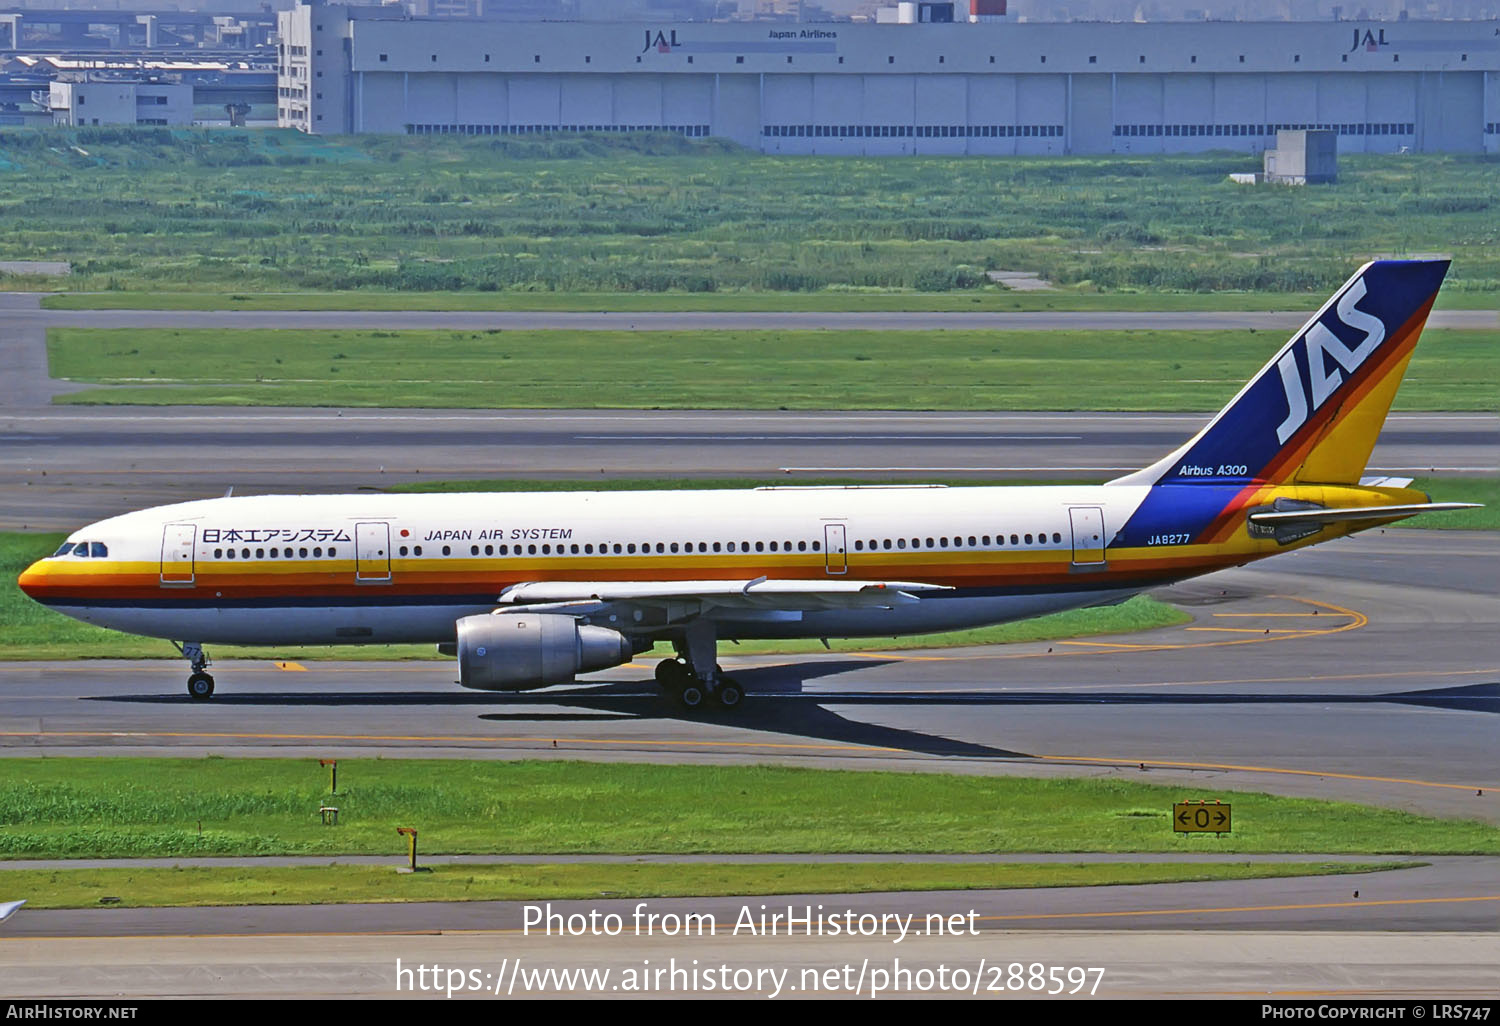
<point x="835" y="549"/>
<point x="1088" y="535"/>
<point x="177" y="543"/>
<point x="372" y="552"/>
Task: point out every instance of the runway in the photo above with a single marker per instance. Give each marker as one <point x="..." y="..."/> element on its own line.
<point x="62" y="467"/>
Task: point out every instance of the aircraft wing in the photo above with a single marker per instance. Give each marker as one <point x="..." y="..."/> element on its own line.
<point x="759" y="593"/>
<point x="1330" y="516"/>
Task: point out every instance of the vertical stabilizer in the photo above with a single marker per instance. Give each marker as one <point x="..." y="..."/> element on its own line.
<point x="1313" y="412"/>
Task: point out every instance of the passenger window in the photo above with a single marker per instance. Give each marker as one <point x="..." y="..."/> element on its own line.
<point x="98" y="551"/>
<point x="802" y="546"/>
<point x="900" y="543"/>
<point x="744" y="546"/>
<point x="887" y="543"/>
<point x="859" y="546"/>
<point x="447" y="550"/>
<point x="942" y="543"/>
<point x="986" y="540"/>
<point x="589" y="549"/>
<point x="1014" y="540"/>
<point x="1056" y="538"/>
<point x="817" y="546"/>
<point x="218" y="553"/>
<point x="731" y="546"/>
<point x="334" y="552"/>
<point x="317" y="552"/>
<point x="930" y="545"/>
<point x="617" y="548"/>
<point x="230" y="553"/>
<point x="531" y="550"/>
<point x="416" y="550"/>
<point x="760" y="546"/>
<point x="244" y="553"/>
<point x="972" y="542"/>
<point x="629" y="548"/>
<point x="503" y="550"/>
<point x="575" y="549"/>
<point x="261" y="553"/>
<point x="716" y="546"/>
<point x="1028" y="539"/>
<point x="489" y="550"/>
<point x="401" y="551"/>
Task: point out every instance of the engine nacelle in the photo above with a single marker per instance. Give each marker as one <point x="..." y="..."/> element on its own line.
<point x="519" y="651"/>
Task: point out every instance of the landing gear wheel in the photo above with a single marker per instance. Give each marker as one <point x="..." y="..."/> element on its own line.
<point x="200" y="686"/>
<point x="729" y="694"/>
<point x="672" y="676"/>
<point x="691" y="696"/>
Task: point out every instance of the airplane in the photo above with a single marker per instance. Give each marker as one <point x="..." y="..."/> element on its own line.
<point x="530" y="590"/>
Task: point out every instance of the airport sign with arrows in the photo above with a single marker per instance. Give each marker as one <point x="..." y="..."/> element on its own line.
<point x="1201" y="817"/>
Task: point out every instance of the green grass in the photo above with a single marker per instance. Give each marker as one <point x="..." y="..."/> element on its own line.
<point x="29" y="630"/>
<point x="850" y="370"/>
<point x="228" y="212"/>
<point x="985" y="300"/>
<point x="325" y="885"/>
<point x="1460" y="489"/>
<point x="178" y="807"/>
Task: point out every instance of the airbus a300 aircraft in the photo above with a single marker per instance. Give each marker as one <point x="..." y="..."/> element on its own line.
<point x="529" y="590"/>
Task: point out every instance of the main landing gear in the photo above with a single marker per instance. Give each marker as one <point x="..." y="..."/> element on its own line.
<point x="200" y="685"/>
<point x="694" y="677"/>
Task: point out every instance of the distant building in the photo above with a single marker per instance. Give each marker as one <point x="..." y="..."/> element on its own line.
<point x="986" y="87"/>
<point x="114" y="102"/>
<point x="1303" y="158"/>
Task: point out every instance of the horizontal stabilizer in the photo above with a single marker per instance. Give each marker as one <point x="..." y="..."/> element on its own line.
<point x="1332" y="516"/>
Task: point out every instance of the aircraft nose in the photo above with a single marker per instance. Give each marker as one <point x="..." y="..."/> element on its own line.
<point x="33" y="579"/>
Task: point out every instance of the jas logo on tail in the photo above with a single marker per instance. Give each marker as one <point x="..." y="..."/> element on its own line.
<point x="1320" y="344"/>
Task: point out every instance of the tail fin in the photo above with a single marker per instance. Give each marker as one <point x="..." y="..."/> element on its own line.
<point x="1313" y="412"/>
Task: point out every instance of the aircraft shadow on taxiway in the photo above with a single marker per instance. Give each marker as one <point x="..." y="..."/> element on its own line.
<point x="779" y="703"/>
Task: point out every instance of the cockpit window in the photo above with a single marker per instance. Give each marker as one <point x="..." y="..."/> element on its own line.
<point x="64" y="549"/>
<point x="98" y="550"/>
<point x="81" y="549"/>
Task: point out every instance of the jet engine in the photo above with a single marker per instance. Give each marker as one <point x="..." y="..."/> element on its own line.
<point x="520" y="651"/>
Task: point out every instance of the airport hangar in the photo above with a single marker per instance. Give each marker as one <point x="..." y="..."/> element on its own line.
<point x="883" y="89"/>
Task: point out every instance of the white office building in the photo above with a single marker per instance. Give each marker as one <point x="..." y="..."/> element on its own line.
<point x="119" y="102"/>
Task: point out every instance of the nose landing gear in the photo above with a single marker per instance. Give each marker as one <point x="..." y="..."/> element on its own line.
<point x="200" y="685"/>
